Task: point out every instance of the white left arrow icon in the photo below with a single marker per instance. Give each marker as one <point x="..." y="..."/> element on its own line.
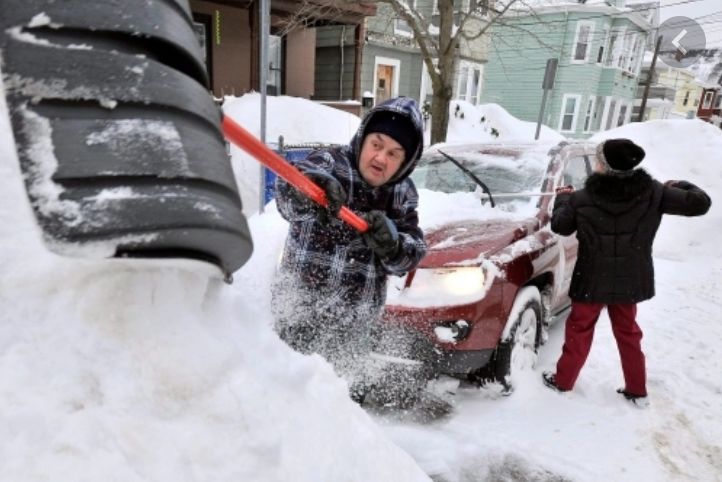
<point x="676" y="40"/>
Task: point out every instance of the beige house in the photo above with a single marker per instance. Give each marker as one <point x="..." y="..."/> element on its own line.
<point x="688" y="91"/>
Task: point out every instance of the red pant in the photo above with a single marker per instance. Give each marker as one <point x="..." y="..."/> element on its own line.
<point x="578" y="334"/>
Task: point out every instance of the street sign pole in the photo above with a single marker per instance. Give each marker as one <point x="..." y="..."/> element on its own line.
<point x="264" y="19"/>
<point x="547" y="85"/>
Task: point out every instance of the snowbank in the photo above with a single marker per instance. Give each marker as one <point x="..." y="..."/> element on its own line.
<point x="479" y="122"/>
<point x="137" y="371"/>
<point x="152" y="371"/>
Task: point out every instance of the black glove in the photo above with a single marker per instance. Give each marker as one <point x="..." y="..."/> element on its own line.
<point x="382" y="236"/>
<point x="686" y="185"/>
<point x="335" y="194"/>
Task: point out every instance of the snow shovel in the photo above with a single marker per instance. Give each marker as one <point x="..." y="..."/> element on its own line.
<point x="253" y="146"/>
<point x="119" y="142"/>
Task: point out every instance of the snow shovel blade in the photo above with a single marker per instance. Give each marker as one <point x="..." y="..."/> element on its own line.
<point x="134" y="166"/>
<point x="235" y="133"/>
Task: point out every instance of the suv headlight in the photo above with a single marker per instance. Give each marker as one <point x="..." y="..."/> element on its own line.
<point x="460" y="281"/>
<point x="440" y="287"/>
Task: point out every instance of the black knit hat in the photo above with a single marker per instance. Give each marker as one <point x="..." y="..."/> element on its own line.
<point x="620" y="155"/>
<point x="397" y="126"/>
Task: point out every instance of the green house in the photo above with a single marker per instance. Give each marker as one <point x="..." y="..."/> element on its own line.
<point x="599" y="48"/>
<point x="390" y="61"/>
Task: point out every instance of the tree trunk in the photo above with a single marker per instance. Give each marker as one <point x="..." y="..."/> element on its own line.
<point x="440" y="115"/>
<point x="442" y="84"/>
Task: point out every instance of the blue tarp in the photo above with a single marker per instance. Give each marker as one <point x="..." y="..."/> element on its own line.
<point x="292" y="155"/>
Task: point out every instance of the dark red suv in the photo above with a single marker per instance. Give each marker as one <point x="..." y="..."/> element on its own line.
<point x="495" y="275"/>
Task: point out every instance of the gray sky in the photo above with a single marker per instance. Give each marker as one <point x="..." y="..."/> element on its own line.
<point x="710" y="9"/>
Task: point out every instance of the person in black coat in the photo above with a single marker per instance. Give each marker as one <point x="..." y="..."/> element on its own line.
<point x="615" y="218"/>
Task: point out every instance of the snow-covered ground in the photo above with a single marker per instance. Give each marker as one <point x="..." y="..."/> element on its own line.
<point x="132" y="371"/>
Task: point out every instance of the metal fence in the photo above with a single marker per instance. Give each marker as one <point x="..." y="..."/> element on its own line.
<point x="292" y="153"/>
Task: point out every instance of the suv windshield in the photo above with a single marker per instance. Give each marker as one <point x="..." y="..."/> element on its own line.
<point x="505" y="170"/>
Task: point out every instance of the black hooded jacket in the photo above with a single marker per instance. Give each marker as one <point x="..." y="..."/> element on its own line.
<point x="616" y="219"/>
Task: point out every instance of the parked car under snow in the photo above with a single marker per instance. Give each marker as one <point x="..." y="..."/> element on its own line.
<point x="495" y="275"/>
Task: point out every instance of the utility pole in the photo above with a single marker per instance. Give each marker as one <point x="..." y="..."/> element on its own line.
<point x="648" y="84"/>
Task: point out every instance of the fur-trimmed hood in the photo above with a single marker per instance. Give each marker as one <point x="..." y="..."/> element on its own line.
<point x="616" y="193"/>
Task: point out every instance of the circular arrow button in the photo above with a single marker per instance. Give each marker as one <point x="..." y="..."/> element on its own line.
<point x="683" y="42"/>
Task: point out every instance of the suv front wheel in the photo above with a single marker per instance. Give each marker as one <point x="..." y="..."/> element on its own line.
<point x="519" y="342"/>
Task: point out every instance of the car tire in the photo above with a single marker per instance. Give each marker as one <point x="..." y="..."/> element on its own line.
<point x="520" y="340"/>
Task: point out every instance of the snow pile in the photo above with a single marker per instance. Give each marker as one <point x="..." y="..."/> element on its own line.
<point x="480" y="123"/>
<point x="152" y="371"/>
<point x="140" y="371"/>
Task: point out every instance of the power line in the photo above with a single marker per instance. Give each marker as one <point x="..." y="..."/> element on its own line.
<point x="557" y="36"/>
<point x="600" y="15"/>
<point x="560" y="33"/>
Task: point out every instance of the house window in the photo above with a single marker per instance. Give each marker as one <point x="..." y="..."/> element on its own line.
<point x="603" y="46"/>
<point x="426" y="92"/>
<point x="707" y="103"/>
<point x="386" y="78"/>
<point x="475" y="86"/>
<point x="463" y="83"/>
<point x="400" y="25"/>
<point x="202" y="26"/>
<point x="468" y="84"/>
<point x="582" y="42"/>
<point x="610" y="114"/>
<point x="483" y="6"/>
<point x="640" y="54"/>
<point x="612" y="49"/>
<point x="718" y="101"/>
<point x="588" y="116"/>
<point x="624" y="46"/>
<point x="598" y="114"/>
<point x="622" y="115"/>
<point x="632" y="60"/>
<point x="274" y="84"/>
<point x="686" y="98"/>
<point x="570" y="110"/>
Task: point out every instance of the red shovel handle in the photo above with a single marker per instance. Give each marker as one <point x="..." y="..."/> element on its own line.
<point x="249" y="143"/>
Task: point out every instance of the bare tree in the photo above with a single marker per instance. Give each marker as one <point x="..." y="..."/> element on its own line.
<point x="437" y="33"/>
<point x="467" y="20"/>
